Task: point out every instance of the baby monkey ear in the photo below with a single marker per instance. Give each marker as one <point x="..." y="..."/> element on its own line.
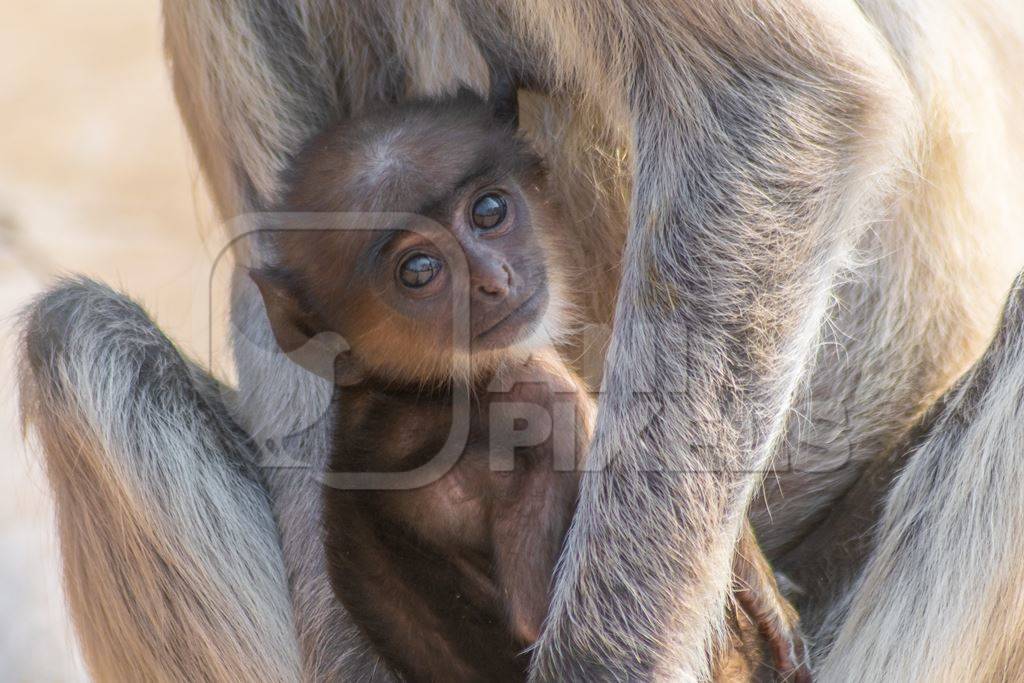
<point x="291" y="323"/>
<point x="299" y="335"/>
<point x="504" y="98"/>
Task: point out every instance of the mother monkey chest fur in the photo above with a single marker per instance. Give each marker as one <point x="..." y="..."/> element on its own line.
<point x="425" y="237"/>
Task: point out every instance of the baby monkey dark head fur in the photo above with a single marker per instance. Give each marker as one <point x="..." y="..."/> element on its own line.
<point x="422" y="235"/>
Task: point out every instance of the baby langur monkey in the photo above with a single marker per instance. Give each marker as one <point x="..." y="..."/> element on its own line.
<point x="450" y="580"/>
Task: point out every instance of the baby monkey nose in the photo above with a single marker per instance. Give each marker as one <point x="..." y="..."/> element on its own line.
<point x="494" y="281"/>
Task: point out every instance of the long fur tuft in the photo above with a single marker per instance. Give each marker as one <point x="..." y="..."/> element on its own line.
<point x="172" y="567"/>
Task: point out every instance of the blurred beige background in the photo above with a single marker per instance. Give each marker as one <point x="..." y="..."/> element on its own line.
<point x="96" y="176"/>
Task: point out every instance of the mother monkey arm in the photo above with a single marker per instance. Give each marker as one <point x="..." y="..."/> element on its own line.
<point x="763" y="136"/>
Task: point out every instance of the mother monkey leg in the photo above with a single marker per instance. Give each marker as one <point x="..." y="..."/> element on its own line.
<point x="943" y="560"/>
<point x="172" y="567"/>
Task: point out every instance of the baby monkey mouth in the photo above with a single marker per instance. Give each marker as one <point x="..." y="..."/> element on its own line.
<point x="517" y="324"/>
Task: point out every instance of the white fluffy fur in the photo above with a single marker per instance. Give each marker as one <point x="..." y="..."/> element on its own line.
<point x="941" y="599"/>
<point x="172" y="567"/>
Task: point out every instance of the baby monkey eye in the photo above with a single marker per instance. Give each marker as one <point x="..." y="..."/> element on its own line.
<point x="418" y="270"/>
<point x="489" y="210"/>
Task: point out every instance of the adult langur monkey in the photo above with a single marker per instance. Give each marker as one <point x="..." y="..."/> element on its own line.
<point x="822" y="218"/>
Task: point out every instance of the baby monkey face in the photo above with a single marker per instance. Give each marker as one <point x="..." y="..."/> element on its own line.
<point x="494" y="264"/>
<point x="420" y="296"/>
<point x="431" y="248"/>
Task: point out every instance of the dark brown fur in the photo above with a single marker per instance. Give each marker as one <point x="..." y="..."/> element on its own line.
<point x="450" y="580"/>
